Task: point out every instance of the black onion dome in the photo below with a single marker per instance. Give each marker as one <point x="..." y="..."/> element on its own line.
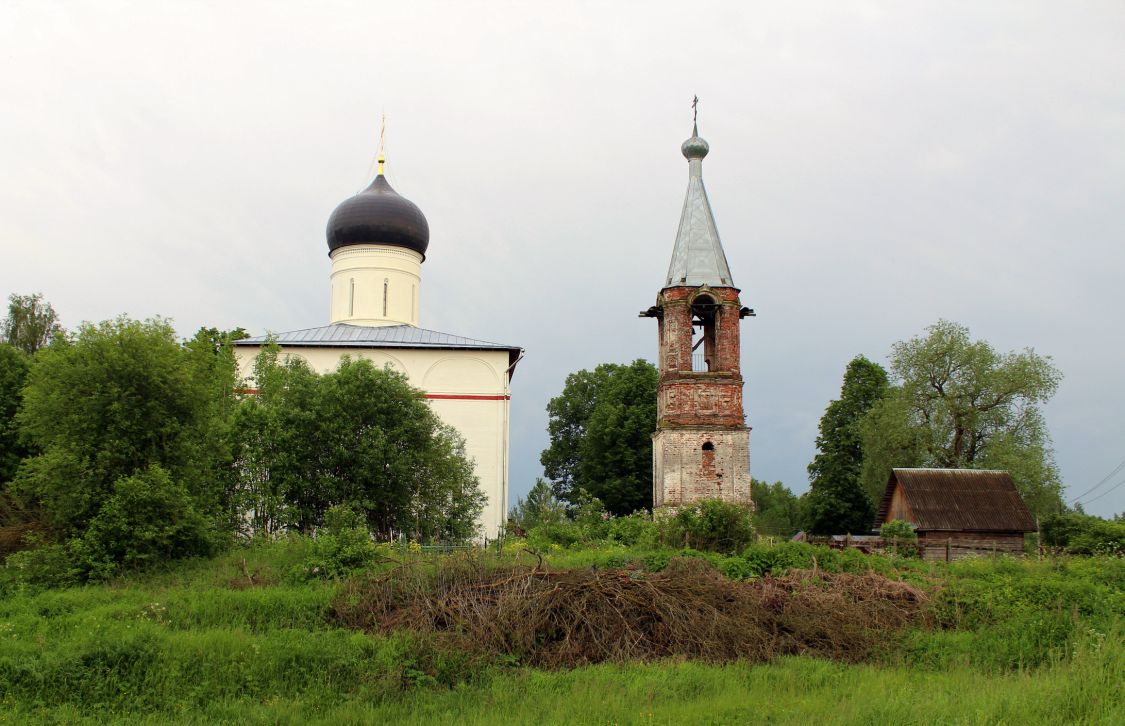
<point x="378" y="216"/>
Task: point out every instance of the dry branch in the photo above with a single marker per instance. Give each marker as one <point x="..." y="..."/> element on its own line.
<point x="556" y="619"/>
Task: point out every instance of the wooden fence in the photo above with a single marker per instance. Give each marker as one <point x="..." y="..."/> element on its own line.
<point x="931" y="549"/>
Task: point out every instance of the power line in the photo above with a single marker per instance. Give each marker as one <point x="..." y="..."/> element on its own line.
<point x="1107" y="491"/>
<point x="1099" y="484"/>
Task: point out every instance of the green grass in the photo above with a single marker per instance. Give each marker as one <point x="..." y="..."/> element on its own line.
<point x="793" y="690"/>
<point x="1013" y="641"/>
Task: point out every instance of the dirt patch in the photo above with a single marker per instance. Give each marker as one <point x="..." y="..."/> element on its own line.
<point x="557" y="619"/>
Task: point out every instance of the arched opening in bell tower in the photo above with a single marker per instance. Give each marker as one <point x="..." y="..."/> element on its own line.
<point x="704" y="310"/>
<point x="707" y="462"/>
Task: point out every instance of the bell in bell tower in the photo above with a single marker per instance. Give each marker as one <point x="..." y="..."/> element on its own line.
<point x="701" y="448"/>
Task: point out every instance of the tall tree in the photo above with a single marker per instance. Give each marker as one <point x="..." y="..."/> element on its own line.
<point x="601" y="436"/>
<point x="539" y="507"/>
<point x="210" y="355"/>
<point x="31" y="322"/>
<point x="360" y="436"/>
<point x="13" y="372"/>
<point x="836" y="502"/>
<point x="567" y="416"/>
<point x="615" y="456"/>
<point x="113" y="400"/>
<point x="959" y="403"/>
<point x="776" y="509"/>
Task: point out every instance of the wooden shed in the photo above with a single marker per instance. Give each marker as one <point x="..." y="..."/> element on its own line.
<point x="958" y="511"/>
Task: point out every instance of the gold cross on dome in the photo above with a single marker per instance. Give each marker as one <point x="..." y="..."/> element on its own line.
<point x="382" y="157"/>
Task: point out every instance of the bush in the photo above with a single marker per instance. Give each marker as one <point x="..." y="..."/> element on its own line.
<point x="1099" y="538"/>
<point x="898" y="529"/>
<point x="147" y="519"/>
<point x="590" y="523"/>
<point x="1081" y="534"/>
<point x="43" y="566"/>
<point x="635" y="529"/>
<point x="564" y="534"/>
<point x="712" y="525"/>
<point x="343" y="546"/>
<point x="901" y="533"/>
<point x="777" y="559"/>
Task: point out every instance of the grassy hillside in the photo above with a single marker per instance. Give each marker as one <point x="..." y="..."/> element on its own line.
<point x="250" y="638"/>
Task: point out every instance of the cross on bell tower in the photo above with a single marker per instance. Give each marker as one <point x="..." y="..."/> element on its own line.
<point x="701" y="448"/>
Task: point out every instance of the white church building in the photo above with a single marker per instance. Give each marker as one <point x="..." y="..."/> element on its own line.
<point x="377" y="242"/>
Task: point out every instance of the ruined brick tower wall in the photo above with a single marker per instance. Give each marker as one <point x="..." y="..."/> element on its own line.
<point x="701" y="448"/>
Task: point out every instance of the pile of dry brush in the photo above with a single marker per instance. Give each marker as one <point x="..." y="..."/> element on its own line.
<point x="558" y="619"/>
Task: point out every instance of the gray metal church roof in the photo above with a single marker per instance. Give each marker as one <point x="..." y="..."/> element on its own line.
<point x="698" y="257"/>
<point x="370" y="336"/>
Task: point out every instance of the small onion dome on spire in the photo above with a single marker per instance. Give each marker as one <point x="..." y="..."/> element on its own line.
<point x="698" y="257"/>
<point x="379" y="216"/>
<point x="695" y="147"/>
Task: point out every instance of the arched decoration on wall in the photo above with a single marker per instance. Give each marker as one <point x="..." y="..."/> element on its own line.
<point x="461" y="374"/>
<point x="285" y="356"/>
<point x="246" y="367"/>
<point x="381" y="359"/>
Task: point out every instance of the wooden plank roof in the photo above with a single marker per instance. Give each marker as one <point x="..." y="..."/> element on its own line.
<point x="972" y="500"/>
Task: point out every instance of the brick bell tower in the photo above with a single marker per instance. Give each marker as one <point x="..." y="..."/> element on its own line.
<point x="701" y="448"/>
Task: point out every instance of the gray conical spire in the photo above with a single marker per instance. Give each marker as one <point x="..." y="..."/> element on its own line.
<point x="698" y="257"/>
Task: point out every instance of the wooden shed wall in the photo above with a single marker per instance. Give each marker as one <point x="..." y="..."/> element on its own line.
<point x="899" y="509"/>
<point x="970" y="543"/>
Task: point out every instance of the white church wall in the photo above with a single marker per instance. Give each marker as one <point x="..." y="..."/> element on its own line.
<point x="483" y="423"/>
<point x="375" y="285"/>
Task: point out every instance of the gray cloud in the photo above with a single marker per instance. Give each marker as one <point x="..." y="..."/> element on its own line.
<point x="874" y="167"/>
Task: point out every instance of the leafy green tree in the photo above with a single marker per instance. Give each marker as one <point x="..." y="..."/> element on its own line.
<point x="613" y="450"/>
<point x="567" y="416"/>
<point x="31" y="323"/>
<point x="601" y="429"/>
<point x="540" y="507"/>
<point x="210" y="356"/>
<point x="265" y="469"/>
<point x="836" y="502"/>
<point x="959" y="403"/>
<point x="14" y="364"/>
<point x="17" y="520"/>
<point x="109" y="402"/>
<point x="359" y="437"/>
<point x="776" y="509"/>
<point x="218" y="341"/>
<point x="890" y="439"/>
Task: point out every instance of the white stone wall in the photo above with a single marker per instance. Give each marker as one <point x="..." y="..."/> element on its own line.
<point x="467" y="389"/>
<point x="685" y="472"/>
<point x="375" y="285"/>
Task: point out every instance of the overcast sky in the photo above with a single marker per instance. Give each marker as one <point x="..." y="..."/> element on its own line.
<point x="874" y="167"/>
